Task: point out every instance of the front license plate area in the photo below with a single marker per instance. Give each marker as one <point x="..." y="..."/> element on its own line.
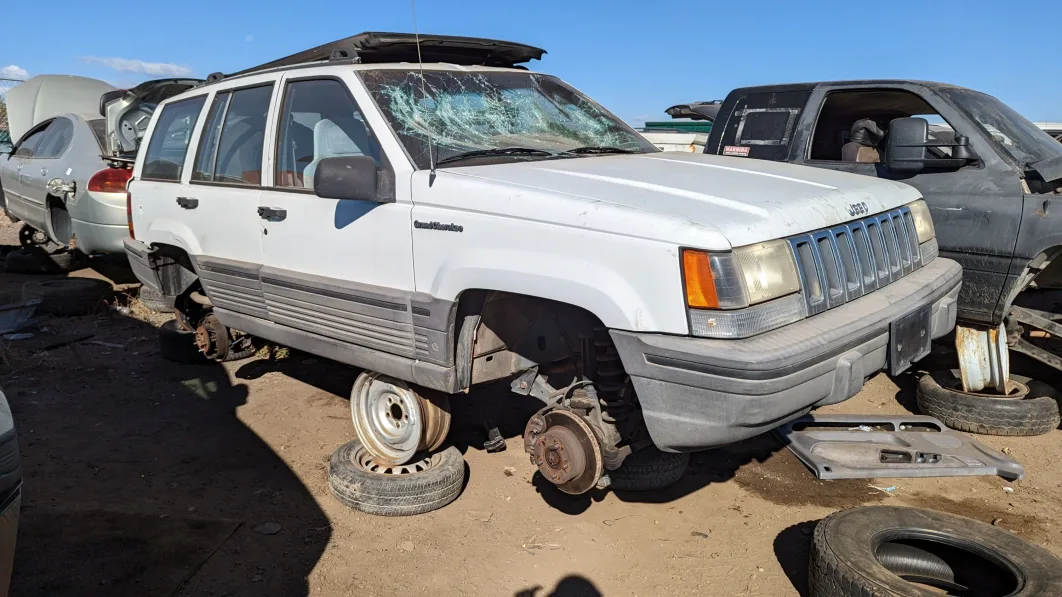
<point x="909" y="339"/>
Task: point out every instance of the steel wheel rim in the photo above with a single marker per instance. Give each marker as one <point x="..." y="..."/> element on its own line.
<point x="369" y="463"/>
<point x="387" y="418"/>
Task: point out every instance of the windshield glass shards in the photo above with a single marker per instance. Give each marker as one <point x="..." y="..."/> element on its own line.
<point x="495" y="115"/>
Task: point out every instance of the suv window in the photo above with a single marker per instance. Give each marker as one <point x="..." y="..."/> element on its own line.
<point x="30" y="142"/>
<point x="843" y="109"/>
<point x="164" y="159"/>
<point x="56" y="140"/>
<point x="230" y="150"/>
<point x="761" y="125"/>
<point x="319" y="120"/>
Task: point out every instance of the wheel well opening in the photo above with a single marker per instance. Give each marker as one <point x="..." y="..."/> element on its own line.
<point x="499" y="334"/>
<point x="59" y="219"/>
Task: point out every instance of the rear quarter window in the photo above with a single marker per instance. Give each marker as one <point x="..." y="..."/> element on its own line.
<point x="166" y="151"/>
<point x="762" y="125"/>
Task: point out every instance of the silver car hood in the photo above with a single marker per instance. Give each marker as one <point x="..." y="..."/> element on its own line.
<point x="48" y="96"/>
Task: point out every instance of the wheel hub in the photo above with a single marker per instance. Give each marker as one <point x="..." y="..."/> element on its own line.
<point x="393" y="421"/>
<point x="212" y="338"/>
<point x="565" y="449"/>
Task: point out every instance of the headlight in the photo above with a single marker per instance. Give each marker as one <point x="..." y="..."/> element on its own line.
<point x="752" y="279"/>
<point x="922" y="220"/>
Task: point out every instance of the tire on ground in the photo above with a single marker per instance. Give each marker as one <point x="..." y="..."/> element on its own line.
<point x="155" y="301"/>
<point x="649" y="469"/>
<point x="848" y="557"/>
<point x="68" y="296"/>
<point x="1035" y="414"/>
<point x="395" y="494"/>
<point x="178" y="346"/>
<point x="34" y="260"/>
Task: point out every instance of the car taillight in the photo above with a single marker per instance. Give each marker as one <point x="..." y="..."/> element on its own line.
<point x="110" y="180"/>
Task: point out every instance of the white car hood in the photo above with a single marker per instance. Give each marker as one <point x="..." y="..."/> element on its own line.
<point x="748" y="201"/>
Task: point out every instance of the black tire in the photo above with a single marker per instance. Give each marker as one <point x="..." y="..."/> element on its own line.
<point x="649" y="469"/>
<point x="377" y="492"/>
<point x="1035" y="414"/>
<point x="178" y="346"/>
<point x="155" y="301"/>
<point x="850" y="559"/>
<point x="35" y="260"/>
<point x="68" y="297"/>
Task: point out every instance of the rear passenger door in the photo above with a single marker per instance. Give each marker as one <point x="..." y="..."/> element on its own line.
<point x="224" y="191"/>
<point x="760" y="125"/>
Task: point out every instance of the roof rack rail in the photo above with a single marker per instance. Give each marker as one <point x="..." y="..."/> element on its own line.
<point x="375" y="47"/>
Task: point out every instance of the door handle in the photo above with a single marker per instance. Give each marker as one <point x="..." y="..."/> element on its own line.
<point x="188" y="202"/>
<point x="271" y="214"/>
<point x="44" y="172"/>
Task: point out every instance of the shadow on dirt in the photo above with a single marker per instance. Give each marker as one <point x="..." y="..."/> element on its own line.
<point x="792" y="547"/>
<point x="140" y="479"/>
<point x="569" y="586"/>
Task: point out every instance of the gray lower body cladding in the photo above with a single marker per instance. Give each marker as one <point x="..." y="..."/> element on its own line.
<point x="700" y="393"/>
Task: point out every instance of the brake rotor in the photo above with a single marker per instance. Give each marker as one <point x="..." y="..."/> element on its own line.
<point x="212" y="338"/>
<point x="565" y="450"/>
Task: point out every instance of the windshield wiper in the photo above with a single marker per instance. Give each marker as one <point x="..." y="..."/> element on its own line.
<point x="591" y="149"/>
<point x="514" y="151"/>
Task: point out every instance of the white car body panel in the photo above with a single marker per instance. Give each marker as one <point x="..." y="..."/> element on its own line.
<point x="600" y="232"/>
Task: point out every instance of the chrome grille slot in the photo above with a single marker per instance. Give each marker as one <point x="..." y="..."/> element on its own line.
<point x="845" y="262"/>
<point x="831" y="266"/>
<point x="853" y="282"/>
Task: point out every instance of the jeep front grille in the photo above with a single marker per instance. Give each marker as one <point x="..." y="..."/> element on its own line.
<point x="845" y="262"/>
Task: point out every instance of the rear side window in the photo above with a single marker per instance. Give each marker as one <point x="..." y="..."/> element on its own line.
<point x="319" y="120"/>
<point x="762" y="125"/>
<point x="58" y="137"/>
<point x="230" y="149"/>
<point x="169" y="141"/>
<point x="29" y="144"/>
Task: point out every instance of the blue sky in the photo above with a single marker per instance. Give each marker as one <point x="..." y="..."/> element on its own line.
<point x="636" y="58"/>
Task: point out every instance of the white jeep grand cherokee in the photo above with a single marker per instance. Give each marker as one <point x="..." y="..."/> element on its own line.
<point x="466" y="220"/>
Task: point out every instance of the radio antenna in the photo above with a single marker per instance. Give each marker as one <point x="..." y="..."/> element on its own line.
<point x="423" y="91"/>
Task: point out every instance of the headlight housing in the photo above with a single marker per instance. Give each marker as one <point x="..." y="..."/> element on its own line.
<point x="761" y="280"/>
<point x="923" y="221"/>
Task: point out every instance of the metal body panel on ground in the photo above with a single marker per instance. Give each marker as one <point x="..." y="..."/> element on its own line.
<point x="868" y="446"/>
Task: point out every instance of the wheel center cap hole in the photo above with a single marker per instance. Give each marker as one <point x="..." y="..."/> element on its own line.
<point x="396" y="412"/>
<point x="946" y="568"/>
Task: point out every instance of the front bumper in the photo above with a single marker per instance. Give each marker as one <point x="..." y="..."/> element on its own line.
<point x="700" y="393"/>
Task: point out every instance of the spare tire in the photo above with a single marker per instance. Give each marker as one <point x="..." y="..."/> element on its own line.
<point x="34" y="260"/>
<point x="178" y="345"/>
<point x="155" y="300"/>
<point x="649" y="469"/>
<point x="885" y="551"/>
<point x="1023" y="413"/>
<point x="68" y="296"/>
<point x="426" y="484"/>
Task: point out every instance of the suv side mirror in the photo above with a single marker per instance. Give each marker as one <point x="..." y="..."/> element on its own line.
<point x="351" y="177"/>
<point x="908" y="140"/>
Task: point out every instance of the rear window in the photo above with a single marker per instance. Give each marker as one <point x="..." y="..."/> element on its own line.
<point x="761" y="125"/>
<point x="169" y="141"/>
<point x="99" y="129"/>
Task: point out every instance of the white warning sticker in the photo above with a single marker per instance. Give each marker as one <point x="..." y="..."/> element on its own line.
<point x="736" y="150"/>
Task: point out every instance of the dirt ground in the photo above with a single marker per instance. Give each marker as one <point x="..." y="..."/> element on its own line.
<point x="147" y="478"/>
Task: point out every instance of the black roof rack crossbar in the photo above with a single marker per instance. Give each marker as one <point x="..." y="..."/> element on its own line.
<point x="374" y="47"/>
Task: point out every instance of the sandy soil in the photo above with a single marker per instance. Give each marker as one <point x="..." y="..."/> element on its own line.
<point x="148" y="478"/>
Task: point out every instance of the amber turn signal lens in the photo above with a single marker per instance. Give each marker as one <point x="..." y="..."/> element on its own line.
<point x="700" y="285"/>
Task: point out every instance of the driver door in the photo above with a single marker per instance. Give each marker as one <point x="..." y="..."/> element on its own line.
<point x="11" y="171"/>
<point x="976" y="209"/>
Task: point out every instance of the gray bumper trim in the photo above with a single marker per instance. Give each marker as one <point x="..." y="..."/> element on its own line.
<point x="698" y="393"/>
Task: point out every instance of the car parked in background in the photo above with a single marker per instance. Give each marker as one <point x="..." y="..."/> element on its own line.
<point x="65" y="177"/>
<point x="689" y="129"/>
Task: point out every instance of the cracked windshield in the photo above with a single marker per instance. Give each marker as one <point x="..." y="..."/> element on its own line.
<point x="495" y="115"/>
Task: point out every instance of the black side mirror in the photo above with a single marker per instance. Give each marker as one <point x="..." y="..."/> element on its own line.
<point x="352" y="177"/>
<point x="908" y="140"/>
